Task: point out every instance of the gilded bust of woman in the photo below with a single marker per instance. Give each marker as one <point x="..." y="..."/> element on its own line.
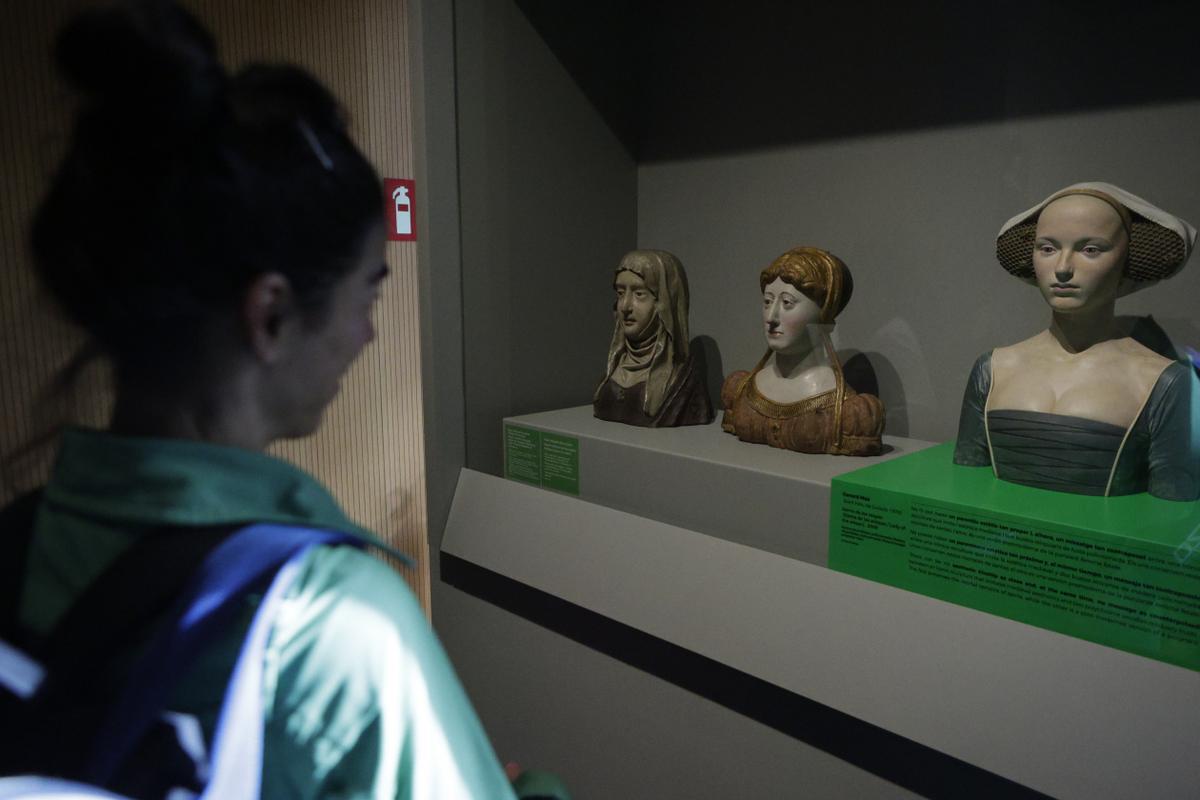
<point x="652" y="379"/>
<point x="1082" y="407"/>
<point x="796" y="396"/>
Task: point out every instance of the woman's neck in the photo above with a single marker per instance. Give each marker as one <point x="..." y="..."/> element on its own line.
<point x="1078" y="332"/>
<point x="143" y="410"/>
<point x="789" y="365"/>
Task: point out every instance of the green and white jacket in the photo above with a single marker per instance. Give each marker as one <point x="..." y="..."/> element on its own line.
<point x="360" y="699"/>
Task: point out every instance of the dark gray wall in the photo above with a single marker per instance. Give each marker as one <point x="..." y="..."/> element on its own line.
<point x="548" y="200"/>
<point x="435" y="129"/>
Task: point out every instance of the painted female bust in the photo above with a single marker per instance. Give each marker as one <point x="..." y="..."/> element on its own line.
<point x="796" y="397"/>
<point x="652" y="379"/>
<point x="1082" y="407"/>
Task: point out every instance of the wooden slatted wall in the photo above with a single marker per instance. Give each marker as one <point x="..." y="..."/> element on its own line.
<point x="34" y="343"/>
<point x="370" y="449"/>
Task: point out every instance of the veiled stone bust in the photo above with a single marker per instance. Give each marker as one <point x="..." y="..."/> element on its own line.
<point x="652" y="378"/>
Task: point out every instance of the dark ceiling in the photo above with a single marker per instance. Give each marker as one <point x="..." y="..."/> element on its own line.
<point x="679" y="79"/>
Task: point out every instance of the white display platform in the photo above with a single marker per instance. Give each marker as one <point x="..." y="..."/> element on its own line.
<point x="1060" y="715"/>
<point x="701" y="478"/>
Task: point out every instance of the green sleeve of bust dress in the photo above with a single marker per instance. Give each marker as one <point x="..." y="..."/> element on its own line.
<point x="363" y="702"/>
<point x="1173" y="417"/>
<point x="971" y="446"/>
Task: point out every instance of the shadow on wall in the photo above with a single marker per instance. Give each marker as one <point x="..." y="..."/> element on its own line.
<point x="1150" y="334"/>
<point x="1185" y="335"/>
<point x="859" y="370"/>
<point x="698" y="78"/>
<point x="708" y="359"/>
<point x="873" y="373"/>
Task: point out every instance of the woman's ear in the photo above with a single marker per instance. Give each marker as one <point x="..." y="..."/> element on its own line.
<point x="268" y="314"/>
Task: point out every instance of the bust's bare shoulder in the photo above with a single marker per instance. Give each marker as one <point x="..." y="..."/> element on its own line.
<point x="1134" y="350"/>
<point x="1010" y="356"/>
<point x="1144" y="364"/>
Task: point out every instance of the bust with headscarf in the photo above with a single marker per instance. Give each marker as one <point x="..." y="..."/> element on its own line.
<point x="652" y="379"/>
<point x="796" y="397"/>
<point x="1084" y="406"/>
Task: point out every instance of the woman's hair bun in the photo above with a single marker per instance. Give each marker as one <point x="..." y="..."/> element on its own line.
<point x="182" y="184"/>
<point x="146" y="57"/>
<point x="278" y="94"/>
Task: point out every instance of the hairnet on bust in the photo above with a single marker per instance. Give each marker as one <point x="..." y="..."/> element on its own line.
<point x="1159" y="242"/>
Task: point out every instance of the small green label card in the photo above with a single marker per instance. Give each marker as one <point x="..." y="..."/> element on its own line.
<point x="560" y="463"/>
<point x="549" y="460"/>
<point x="523" y="454"/>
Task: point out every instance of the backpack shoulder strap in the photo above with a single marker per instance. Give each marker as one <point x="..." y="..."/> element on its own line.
<point x="16" y="532"/>
<point x="118" y="608"/>
<point x="57" y="688"/>
<point x="186" y="583"/>
<point x="246" y="560"/>
<point x="120" y="603"/>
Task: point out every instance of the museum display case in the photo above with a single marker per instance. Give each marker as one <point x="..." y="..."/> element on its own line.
<point x="722" y="549"/>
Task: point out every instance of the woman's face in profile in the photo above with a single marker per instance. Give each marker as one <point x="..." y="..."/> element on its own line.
<point x="326" y="348"/>
<point x="1079" y="253"/>
<point x="787" y="313"/>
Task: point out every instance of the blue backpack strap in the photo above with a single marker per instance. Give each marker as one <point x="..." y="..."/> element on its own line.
<point x="50" y="718"/>
<point x="236" y="759"/>
<point x="246" y="561"/>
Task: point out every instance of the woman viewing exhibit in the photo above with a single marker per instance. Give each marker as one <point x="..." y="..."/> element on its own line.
<point x="219" y="238"/>
<point x="796" y="397"/>
<point x="1082" y="406"/>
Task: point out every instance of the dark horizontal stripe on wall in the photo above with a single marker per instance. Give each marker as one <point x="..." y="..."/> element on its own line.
<point x="894" y="758"/>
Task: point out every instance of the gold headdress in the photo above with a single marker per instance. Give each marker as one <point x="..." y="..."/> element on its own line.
<point x="820" y="275"/>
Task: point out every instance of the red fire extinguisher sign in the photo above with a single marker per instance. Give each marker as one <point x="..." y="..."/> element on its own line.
<point x="401" y="216"/>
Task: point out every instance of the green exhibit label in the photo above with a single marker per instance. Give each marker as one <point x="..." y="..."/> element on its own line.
<point x="560" y="463"/>
<point x="523" y="454"/>
<point x="549" y="460"/>
<point x="1119" y="571"/>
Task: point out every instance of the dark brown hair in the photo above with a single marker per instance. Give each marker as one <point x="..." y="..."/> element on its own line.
<point x="183" y="183"/>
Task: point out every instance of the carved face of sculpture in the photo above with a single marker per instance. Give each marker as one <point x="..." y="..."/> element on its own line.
<point x="787" y="313"/>
<point x="635" y="304"/>
<point x="1079" y="254"/>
